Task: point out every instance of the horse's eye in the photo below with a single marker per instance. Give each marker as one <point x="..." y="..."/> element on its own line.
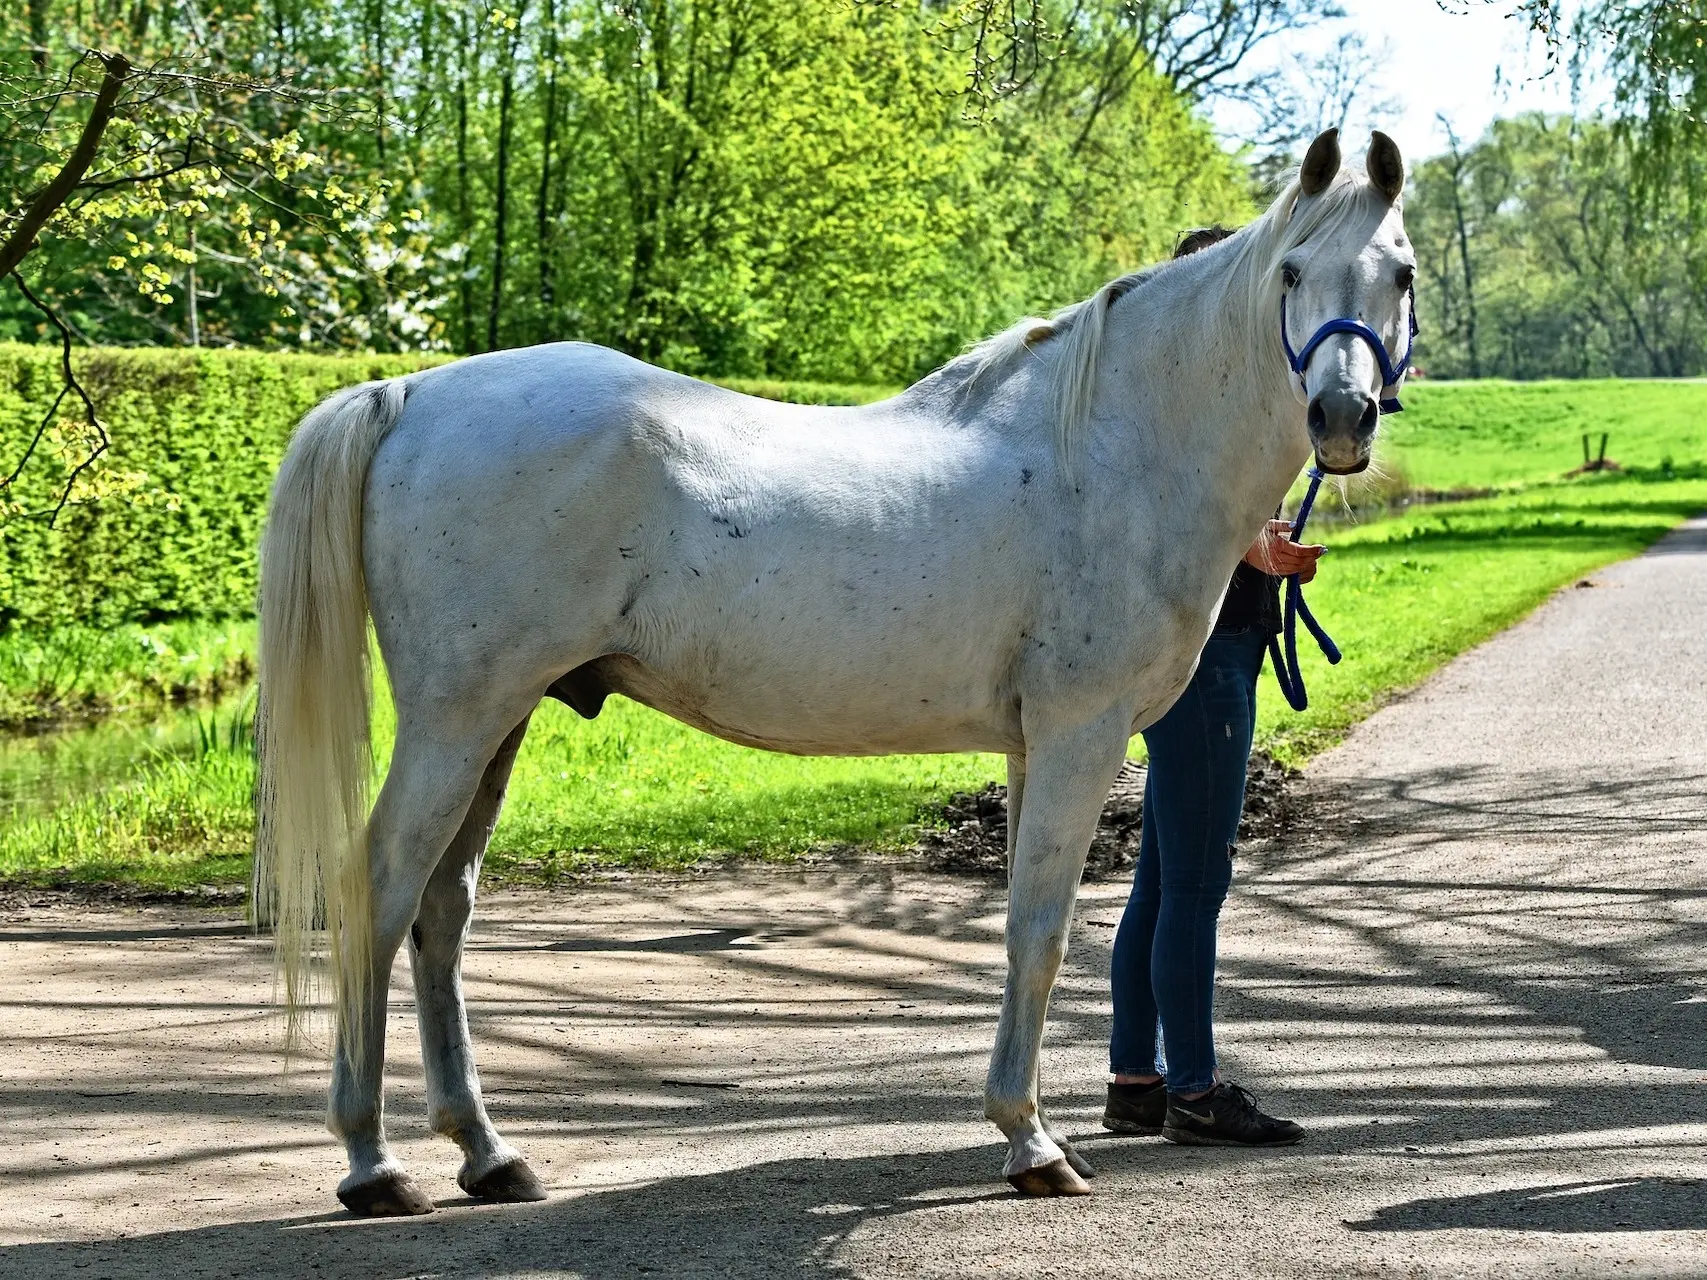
<point x="1407" y="277"/>
<point x="1289" y="276"/>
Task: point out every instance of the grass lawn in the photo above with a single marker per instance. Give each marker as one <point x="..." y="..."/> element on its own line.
<point x="1473" y="435"/>
<point x="167" y="802"/>
<point x="1402" y="595"/>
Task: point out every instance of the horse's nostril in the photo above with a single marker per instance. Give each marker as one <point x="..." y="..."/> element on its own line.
<point x="1316" y="419"/>
<point x="1370" y="420"/>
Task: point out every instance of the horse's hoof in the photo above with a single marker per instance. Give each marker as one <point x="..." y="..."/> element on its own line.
<point x="394" y="1195"/>
<point x="510" y="1183"/>
<point x="1057" y="1178"/>
<point x="1081" y="1166"/>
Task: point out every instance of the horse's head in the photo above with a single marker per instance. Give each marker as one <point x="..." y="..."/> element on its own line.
<point x="1347" y="313"/>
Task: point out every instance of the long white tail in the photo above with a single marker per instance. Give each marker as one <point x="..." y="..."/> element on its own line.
<point x="312" y="726"/>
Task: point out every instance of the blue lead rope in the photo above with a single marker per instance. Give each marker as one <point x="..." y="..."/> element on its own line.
<point x="1286" y="669"/>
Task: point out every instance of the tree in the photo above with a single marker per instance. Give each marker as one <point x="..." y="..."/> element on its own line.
<point x="119" y="177"/>
<point x="1198" y="46"/>
<point x="1575" y="272"/>
<point x="1457" y="172"/>
<point x="1656" y="53"/>
<point x="754" y="187"/>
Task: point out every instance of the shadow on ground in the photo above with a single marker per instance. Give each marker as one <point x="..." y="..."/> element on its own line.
<point x="782" y="1217"/>
<point x="1628" y="1204"/>
<point x="1374" y="989"/>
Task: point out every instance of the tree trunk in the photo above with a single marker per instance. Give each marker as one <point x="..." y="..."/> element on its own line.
<point x="38" y="34"/>
<point x="1457" y="170"/>
<point x="465" y="228"/>
<point x="500" y="211"/>
<point x="29" y="224"/>
<point x="190" y="294"/>
<point x="379" y="73"/>
<point x="427" y="62"/>
<point x="543" y="235"/>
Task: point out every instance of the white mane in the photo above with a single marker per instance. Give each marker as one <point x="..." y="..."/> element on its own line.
<point x="1071" y="340"/>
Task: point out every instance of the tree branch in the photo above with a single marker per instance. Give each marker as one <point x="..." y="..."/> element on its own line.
<point x="70" y="384"/>
<point x="53" y="195"/>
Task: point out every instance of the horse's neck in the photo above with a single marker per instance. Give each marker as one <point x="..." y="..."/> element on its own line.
<point x="1190" y="400"/>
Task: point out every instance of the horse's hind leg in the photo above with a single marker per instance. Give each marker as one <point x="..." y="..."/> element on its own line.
<point x="491" y="1169"/>
<point x="427" y="793"/>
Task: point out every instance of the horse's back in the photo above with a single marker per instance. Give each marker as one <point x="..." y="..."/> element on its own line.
<point x="548" y="393"/>
<point x="573" y="405"/>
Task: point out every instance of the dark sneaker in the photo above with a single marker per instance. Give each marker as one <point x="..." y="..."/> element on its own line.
<point x="1135" y="1108"/>
<point x="1226" y="1116"/>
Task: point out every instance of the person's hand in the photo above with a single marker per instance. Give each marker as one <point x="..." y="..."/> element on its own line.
<point x="1274" y="554"/>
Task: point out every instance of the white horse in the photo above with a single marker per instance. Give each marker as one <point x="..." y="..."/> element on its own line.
<point x="1022" y="553"/>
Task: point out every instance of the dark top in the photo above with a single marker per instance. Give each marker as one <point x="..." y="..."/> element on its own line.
<point x="1252" y="602"/>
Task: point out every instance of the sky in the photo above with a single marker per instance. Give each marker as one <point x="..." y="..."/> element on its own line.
<point x="1468" y="61"/>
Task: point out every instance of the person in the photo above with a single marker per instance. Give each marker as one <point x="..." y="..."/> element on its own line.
<point x="1164" y="952"/>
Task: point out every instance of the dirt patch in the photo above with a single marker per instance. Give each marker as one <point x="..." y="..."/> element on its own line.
<point x="22" y="897"/>
<point x="975" y="840"/>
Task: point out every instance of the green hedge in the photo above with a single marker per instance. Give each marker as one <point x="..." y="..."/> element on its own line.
<point x="169" y="529"/>
<point x="843" y="393"/>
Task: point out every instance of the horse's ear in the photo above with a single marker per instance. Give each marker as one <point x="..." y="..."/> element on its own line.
<point x="1386" y="166"/>
<point x="1321" y="163"/>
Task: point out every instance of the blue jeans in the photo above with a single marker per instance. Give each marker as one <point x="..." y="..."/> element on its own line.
<point x="1164" y="953"/>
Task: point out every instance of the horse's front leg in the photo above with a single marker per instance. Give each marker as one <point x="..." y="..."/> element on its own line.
<point x="1066" y="779"/>
<point x="491" y="1168"/>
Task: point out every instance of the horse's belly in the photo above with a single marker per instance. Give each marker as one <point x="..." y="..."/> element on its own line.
<point x="848" y="713"/>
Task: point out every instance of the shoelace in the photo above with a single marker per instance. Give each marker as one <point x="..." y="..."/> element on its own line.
<point x="1243" y="1098"/>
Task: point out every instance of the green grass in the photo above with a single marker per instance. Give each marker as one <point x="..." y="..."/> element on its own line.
<point x="164" y="804"/>
<point x="636" y="788"/>
<point x="1463" y="435"/>
<point x="69" y="672"/>
<point x="169" y="806"/>
<point x="1404" y="594"/>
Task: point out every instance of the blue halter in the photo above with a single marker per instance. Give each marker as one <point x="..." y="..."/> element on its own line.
<point x="1286" y="669"/>
<point x="1392" y="375"/>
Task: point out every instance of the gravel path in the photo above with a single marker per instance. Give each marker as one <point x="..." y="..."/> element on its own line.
<point x="1483" y="986"/>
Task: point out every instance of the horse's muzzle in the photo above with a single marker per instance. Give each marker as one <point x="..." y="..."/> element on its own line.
<point x="1342" y="427"/>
